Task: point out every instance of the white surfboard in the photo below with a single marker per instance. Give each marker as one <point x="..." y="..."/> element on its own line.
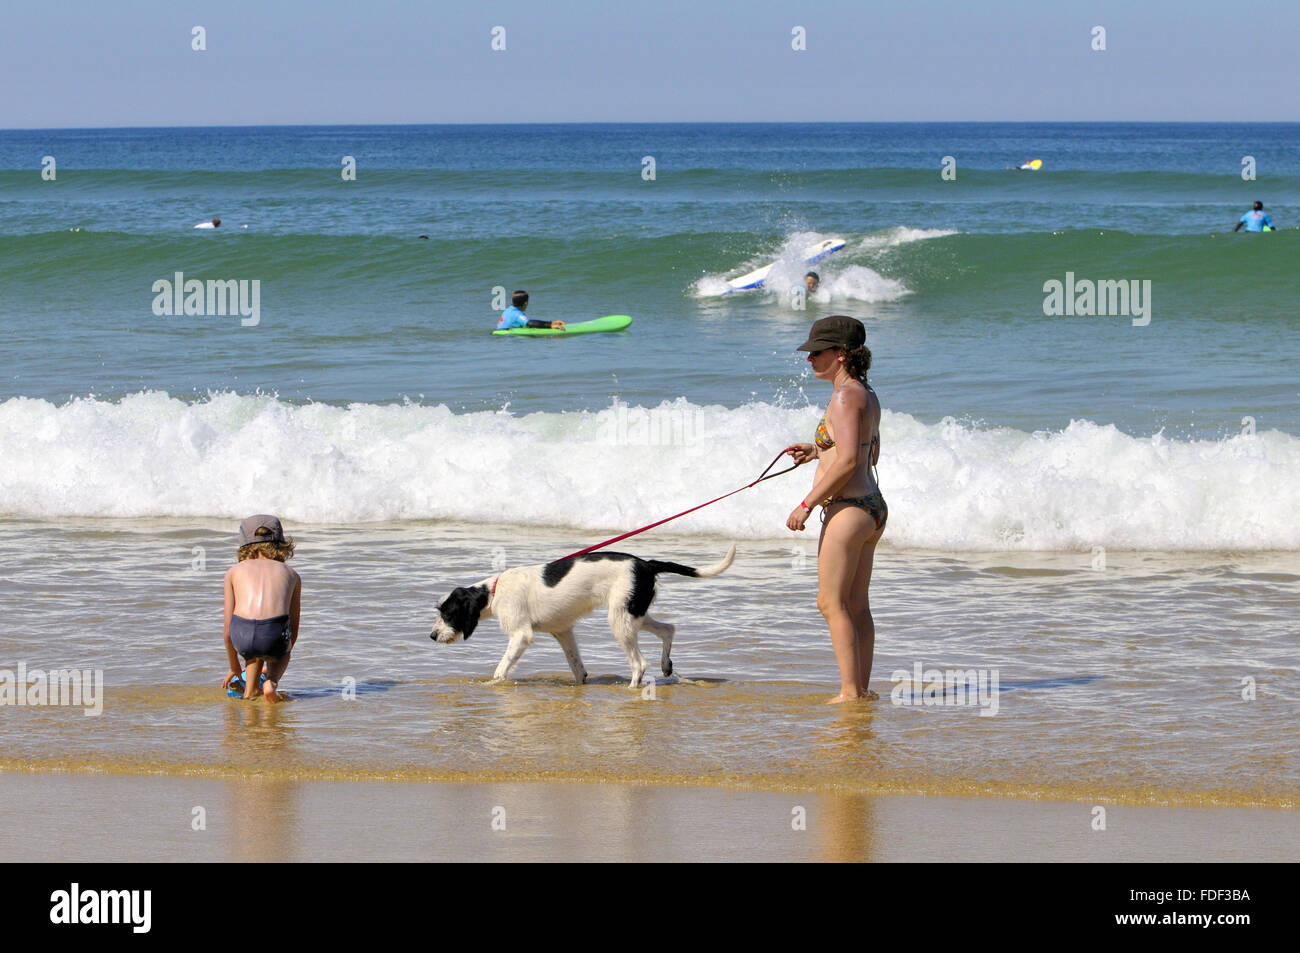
<point x="811" y="254"/>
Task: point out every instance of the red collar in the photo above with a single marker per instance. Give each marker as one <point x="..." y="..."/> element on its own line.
<point x="494" y="587"/>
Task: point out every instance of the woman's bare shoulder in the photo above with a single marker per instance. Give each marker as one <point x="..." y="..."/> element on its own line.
<point x="851" y="394"/>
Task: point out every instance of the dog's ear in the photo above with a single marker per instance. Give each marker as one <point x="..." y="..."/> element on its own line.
<point x="475" y="601"/>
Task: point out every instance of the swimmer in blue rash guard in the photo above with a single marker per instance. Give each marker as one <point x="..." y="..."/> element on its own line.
<point x="1256" y="220"/>
<point x="514" y="316"/>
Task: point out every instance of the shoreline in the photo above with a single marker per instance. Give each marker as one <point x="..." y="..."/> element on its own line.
<point x="740" y="785"/>
<point x="82" y="817"/>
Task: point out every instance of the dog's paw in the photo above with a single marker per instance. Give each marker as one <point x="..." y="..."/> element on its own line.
<point x="668" y="668"/>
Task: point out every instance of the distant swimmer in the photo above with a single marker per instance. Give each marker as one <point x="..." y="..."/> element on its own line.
<point x="215" y="223"/>
<point x="811" y="281"/>
<point x="1032" y="165"/>
<point x="1256" y="220"/>
<point x="514" y="316"/>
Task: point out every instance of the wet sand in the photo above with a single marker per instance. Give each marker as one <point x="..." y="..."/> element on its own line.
<point x="73" y="817"/>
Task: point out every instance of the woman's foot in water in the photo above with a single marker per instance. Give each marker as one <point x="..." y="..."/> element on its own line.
<point x="269" y="692"/>
<point x="856" y="697"/>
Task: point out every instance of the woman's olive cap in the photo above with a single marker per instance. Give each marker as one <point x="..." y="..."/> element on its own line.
<point x="839" y="330"/>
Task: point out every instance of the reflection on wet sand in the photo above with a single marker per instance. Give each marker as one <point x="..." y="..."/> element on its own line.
<point x="257" y="733"/>
<point x="264" y="814"/>
<point x="845" y="827"/>
<point x="80" y="817"/>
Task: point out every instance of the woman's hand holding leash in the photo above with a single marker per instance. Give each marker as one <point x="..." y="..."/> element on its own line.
<point x="801" y="453"/>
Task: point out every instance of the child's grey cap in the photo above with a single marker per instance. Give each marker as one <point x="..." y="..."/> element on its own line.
<point x="248" y="530"/>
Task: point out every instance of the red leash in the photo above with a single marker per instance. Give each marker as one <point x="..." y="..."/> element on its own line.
<point x="761" y="477"/>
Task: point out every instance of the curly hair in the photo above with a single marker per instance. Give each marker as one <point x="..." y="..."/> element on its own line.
<point x="267" y="549"/>
<point x="857" y="361"/>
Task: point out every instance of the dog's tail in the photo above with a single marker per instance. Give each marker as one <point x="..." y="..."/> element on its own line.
<point x="716" y="569"/>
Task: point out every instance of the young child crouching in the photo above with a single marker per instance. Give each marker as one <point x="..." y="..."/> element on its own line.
<point x="263" y="603"/>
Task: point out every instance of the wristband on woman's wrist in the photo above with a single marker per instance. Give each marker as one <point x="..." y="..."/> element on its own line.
<point x="806" y="507"/>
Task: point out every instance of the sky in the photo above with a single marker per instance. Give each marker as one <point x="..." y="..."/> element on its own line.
<point x="131" y="62"/>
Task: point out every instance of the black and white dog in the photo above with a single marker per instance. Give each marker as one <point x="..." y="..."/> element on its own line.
<point x="554" y="596"/>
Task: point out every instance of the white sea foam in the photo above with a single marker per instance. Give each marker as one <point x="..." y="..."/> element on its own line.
<point x="853" y="283"/>
<point x="899" y="235"/>
<point x="841" y="280"/>
<point x="950" y="486"/>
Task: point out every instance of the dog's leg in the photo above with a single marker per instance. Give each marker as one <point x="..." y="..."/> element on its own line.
<point x="665" y="632"/>
<point x="625" y="629"/>
<point x="570" y="646"/>
<point x="520" y="639"/>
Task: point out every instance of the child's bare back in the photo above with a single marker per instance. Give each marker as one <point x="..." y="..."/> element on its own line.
<point x="263" y="588"/>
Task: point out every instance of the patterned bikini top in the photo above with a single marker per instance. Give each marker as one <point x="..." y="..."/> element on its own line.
<point x="824" y="440"/>
<point x="823" y="436"/>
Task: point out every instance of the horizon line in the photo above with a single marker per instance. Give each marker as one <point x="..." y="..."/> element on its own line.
<point x="675" y="122"/>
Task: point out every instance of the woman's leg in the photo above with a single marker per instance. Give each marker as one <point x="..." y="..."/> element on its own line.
<point x="838" y="555"/>
<point x="860" y="608"/>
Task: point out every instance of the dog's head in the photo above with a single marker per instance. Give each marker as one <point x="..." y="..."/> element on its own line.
<point x="459" y="614"/>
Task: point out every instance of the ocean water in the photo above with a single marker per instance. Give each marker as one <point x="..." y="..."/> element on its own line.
<point x="1105" y="511"/>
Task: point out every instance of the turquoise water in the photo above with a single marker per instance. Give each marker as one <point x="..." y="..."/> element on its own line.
<point x="359" y="313"/>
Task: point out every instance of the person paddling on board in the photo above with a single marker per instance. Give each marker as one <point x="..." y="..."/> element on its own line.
<point x="215" y="223"/>
<point x="1256" y="220"/>
<point x="514" y="316"/>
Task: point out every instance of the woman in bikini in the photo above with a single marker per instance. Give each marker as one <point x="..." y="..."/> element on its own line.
<point x="846" y="448"/>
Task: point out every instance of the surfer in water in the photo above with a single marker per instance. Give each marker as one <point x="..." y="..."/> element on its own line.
<point x="1256" y="220"/>
<point x="514" y="316"/>
<point x="846" y="447"/>
<point x="811" y="281"/>
<point x="263" y="605"/>
<point x="215" y="223"/>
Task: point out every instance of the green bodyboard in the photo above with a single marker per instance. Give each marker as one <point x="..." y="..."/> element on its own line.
<point x="610" y="322"/>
